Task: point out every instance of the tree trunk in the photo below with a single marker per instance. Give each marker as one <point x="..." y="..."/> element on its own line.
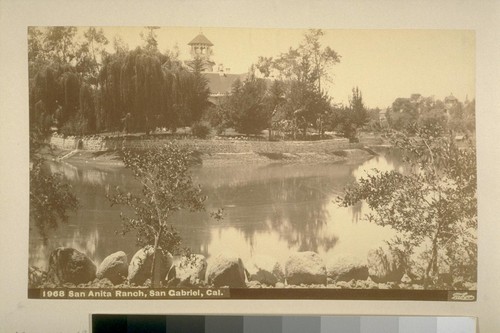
<point x="155" y="278"/>
<point x="432" y="265"/>
<point x="320" y="129"/>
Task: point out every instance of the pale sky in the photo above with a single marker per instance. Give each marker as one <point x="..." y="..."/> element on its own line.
<point x="384" y="64"/>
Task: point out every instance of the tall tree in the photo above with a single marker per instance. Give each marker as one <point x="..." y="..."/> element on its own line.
<point x="200" y="92"/>
<point x="308" y="106"/>
<point x="310" y="61"/>
<point x="274" y="100"/>
<point x="349" y="120"/>
<point x="322" y="58"/>
<point x="60" y="44"/>
<point x="148" y="89"/>
<point x="54" y="95"/>
<point x="37" y="55"/>
<point x="150" y="39"/>
<point x="112" y="101"/>
<point x="90" y="54"/>
<point x="304" y="68"/>
<point x="141" y="88"/>
<point x="247" y="105"/>
<point x="360" y="114"/>
<point x="88" y="109"/>
<point x="402" y="115"/>
<point x="119" y="45"/>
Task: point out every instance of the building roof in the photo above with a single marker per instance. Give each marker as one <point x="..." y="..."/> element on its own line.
<point x="201" y="39"/>
<point x="222" y="83"/>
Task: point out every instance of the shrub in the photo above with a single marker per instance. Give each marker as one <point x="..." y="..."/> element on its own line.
<point x="200" y="130"/>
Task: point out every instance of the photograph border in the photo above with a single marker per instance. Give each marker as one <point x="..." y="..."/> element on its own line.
<point x="22" y="314"/>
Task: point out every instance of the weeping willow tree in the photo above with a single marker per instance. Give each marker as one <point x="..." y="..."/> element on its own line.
<point x="136" y="90"/>
<point x="169" y="117"/>
<point x="54" y="95"/>
<point x="59" y="97"/>
<point x="148" y="89"/>
<point x="133" y="89"/>
<point x="112" y="104"/>
<point x="182" y="95"/>
<point x="88" y="108"/>
<point x="43" y="97"/>
<point x="69" y="95"/>
<point x="141" y="88"/>
<point x="147" y="80"/>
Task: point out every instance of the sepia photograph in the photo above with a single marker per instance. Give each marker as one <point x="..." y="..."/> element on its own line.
<point x="252" y="163"/>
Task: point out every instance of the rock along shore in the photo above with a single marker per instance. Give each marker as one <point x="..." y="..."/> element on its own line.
<point x="70" y="268"/>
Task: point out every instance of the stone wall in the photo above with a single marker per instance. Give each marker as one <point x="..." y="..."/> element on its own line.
<point x="213" y="146"/>
<point x="63" y="143"/>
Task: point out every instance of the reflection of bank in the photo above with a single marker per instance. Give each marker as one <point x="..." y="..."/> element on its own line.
<point x="287" y="208"/>
<point x="268" y="210"/>
<point x="89" y="176"/>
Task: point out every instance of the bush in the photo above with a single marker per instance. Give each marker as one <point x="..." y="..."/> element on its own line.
<point x="200" y="130"/>
<point x="433" y="206"/>
<point x="167" y="188"/>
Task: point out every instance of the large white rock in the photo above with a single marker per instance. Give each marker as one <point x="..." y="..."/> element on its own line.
<point x="192" y="269"/>
<point x="226" y="270"/>
<point x="305" y="268"/>
<point x="264" y="269"/>
<point x="139" y="269"/>
<point x="67" y="265"/>
<point x="114" y="267"/>
<point x="347" y="268"/>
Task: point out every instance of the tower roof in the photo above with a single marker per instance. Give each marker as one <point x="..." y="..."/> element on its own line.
<point x="201" y="39"/>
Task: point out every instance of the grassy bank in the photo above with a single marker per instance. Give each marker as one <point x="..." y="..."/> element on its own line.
<point x="112" y="158"/>
<point x="104" y="149"/>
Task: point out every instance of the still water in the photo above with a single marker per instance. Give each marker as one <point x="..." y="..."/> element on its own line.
<point x="268" y="209"/>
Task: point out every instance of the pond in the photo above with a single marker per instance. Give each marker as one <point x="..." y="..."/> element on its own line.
<point x="270" y="209"/>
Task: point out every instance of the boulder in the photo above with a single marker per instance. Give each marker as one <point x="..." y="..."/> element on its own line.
<point x="265" y="269"/>
<point x="67" y="265"/>
<point x="347" y="268"/>
<point x="114" y="268"/>
<point x="254" y="284"/>
<point x="226" y="270"/>
<point x="385" y="265"/>
<point x="103" y="283"/>
<point x="369" y="284"/>
<point x="406" y="279"/>
<point x="343" y="285"/>
<point x="305" y="268"/>
<point x="191" y="269"/>
<point x="36" y="276"/>
<point x="139" y="269"/>
<point x="279" y="285"/>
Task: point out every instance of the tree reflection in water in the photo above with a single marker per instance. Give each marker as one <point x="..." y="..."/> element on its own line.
<point x="272" y="209"/>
